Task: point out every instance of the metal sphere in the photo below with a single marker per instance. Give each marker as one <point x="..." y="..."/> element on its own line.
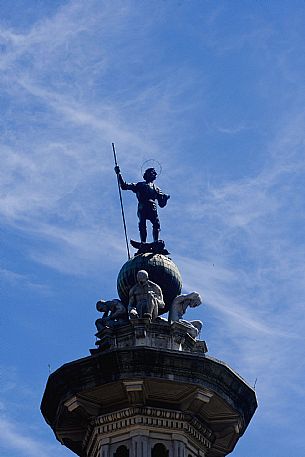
<point x="161" y="270"/>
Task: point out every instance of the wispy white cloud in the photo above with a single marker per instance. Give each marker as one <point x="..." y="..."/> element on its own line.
<point x="22" y="280"/>
<point x="231" y="129"/>
<point x="14" y="439"/>
<point x="20" y="435"/>
<point x="51" y="177"/>
<point x="68" y="100"/>
<point x="250" y="269"/>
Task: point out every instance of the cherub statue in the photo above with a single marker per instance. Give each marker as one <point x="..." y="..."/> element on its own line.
<point x="115" y="313"/>
<point x="179" y="307"/>
<point x="145" y="298"/>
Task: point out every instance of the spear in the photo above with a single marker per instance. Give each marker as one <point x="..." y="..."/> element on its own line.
<point x="121" y="201"/>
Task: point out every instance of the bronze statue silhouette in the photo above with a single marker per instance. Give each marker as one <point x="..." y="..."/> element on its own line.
<point x="147" y="194"/>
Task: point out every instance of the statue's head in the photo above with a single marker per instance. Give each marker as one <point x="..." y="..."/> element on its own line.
<point x="150" y="175"/>
<point x="142" y="276"/>
<point x="102" y="306"/>
<point x="195" y="299"/>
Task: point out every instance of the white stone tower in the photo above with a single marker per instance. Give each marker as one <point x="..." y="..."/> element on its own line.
<point x="148" y="389"/>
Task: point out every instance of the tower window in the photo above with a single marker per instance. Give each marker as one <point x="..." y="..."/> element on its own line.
<point x="159" y="450"/>
<point x="121" y="451"/>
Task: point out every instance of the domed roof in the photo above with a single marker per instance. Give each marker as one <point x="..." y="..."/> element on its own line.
<point x="161" y="270"/>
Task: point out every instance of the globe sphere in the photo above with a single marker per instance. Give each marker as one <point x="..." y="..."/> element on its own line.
<point x="161" y="270"/>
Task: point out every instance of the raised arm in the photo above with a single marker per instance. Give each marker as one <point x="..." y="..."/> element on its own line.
<point x="123" y="184"/>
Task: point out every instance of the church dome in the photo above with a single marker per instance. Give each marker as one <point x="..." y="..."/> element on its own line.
<point x="160" y="269"/>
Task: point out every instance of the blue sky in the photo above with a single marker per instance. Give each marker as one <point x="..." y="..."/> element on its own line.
<point x="214" y="90"/>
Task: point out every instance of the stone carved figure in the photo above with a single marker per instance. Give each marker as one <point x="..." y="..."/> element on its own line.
<point x="179" y="307"/>
<point x="147" y="194"/>
<point x="145" y="298"/>
<point x="115" y="314"/>
<point x="182" y="302"/>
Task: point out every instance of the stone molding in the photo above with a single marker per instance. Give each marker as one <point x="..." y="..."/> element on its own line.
<point x="147" y="420"/>
<point x="112" y="380"/>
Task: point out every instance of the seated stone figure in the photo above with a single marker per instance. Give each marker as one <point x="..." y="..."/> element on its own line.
<point x="115" y="313"/>
<point x="179" y="307"/>
<point x="145" y="298"/>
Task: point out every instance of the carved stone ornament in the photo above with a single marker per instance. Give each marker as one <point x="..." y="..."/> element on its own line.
<point x="115" y="314"/>
<point x="145" y="298"/>
<point x="179" y="307"/>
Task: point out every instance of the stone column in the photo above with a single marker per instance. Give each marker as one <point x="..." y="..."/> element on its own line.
<point x="104" y="450"/>
<point x="140" y="446"/>
<point x="179" y="449"/>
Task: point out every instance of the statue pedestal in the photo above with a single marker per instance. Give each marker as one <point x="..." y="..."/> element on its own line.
<point x="144" y="332"/>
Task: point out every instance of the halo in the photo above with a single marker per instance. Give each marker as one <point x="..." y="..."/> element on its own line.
<point x="152" y="163"/>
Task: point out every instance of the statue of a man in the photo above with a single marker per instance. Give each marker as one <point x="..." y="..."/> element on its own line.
<point x="145" y="298"/>
<point x="179" y="307"/>
<point x="147" y="194"/>
<point x="181" y="303"/>
<point x="115" y="314"/>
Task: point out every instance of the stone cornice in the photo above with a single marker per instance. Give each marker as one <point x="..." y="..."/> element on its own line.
<point x="107" y="367"/>
<point x="145" y="377"/>
<point x="160" y="419"/>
